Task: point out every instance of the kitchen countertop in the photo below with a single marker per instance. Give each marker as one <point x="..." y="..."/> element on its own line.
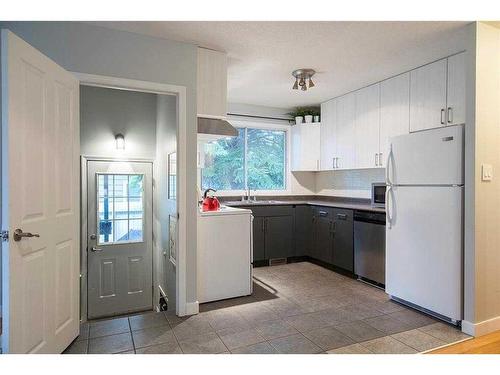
<point x="337" y="202"/>
<point x="225" y="210"/>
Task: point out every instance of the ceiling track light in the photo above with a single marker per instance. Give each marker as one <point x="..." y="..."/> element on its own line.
<point x="301" y="77"/>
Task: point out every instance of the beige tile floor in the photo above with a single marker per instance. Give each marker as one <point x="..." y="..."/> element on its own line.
<point x="296" y="308"/>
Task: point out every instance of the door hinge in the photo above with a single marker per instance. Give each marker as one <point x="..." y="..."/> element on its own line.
<point x="4" y="235"/>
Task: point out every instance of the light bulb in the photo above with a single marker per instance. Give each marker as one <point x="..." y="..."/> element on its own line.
<point x="120" y="142"/>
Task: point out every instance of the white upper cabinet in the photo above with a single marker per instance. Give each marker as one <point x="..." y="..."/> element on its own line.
<point x="394" y="111"/>
<point x="328" y="139"/>
<point x="345" y="131"/>
<point x="428" y="96"/>
<point x="305" y="147"/>
<point x="367" y="122"/>
<point x="455" y="111"/>
<point x="212" y="84"/>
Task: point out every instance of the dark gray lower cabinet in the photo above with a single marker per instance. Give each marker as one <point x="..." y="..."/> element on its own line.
<point x="322" y="246"/>
<point x="258" y="239"/>
<point x="323" y="233"/>
<point x="343" y="239"/>
<point x="303" y="230"/>
<point x="273" y="235"/>
<point x="279" y="236"/>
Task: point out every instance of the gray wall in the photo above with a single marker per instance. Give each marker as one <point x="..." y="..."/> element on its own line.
<point x="92" y="49"/>
<point x="106" y="112"/>
<point x="166" y="133"/>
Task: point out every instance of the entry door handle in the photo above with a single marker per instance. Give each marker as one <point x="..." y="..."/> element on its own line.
<point x="94" y="249"/>
<point x="19" y="235"/>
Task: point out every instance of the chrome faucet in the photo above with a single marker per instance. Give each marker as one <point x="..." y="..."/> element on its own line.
<point x="247" y="196"/>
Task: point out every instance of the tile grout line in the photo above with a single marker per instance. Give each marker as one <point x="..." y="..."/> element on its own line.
<point x="131" y="335"/>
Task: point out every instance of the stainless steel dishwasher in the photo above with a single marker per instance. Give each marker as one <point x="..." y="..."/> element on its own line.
<point x="369" y="246"/>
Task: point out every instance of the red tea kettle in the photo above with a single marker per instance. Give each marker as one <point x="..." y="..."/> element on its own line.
<point x="210" y="203"/>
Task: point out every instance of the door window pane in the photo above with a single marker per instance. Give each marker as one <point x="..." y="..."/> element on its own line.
<point x="135" y="230"/>
<point x="225" y="160"/>
<point x="120" y="208"/>
<point x="121" y="230"/>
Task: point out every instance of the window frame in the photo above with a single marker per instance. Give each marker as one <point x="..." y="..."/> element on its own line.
<point x="247" y="124"/>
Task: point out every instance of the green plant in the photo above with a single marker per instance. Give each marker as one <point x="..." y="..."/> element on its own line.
<point x="304" y="111"/>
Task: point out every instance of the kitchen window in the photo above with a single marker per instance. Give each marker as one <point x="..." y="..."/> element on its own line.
<point x="255" y="159"/>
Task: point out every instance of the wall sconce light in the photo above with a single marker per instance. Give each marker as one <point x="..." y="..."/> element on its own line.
<point x="120" y="141"/>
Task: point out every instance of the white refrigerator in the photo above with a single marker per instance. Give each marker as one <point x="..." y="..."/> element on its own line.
<point x="424" y="231"/>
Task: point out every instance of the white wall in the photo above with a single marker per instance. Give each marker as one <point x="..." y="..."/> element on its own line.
<point x="91" y="49"/>
<point x="482" y="255"/>
<point x="106" y="112"/>
<point x="166" y="132"/>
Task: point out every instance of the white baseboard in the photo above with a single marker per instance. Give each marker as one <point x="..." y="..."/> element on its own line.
<point x="192" y="308"/>
<point x="481" y="328"/>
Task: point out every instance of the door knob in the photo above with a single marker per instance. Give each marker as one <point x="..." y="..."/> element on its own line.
<point x="19" y="235"/>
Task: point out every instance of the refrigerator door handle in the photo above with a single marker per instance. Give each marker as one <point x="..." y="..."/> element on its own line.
<point x="387" y="167"/>
<point x="388" y="209"/>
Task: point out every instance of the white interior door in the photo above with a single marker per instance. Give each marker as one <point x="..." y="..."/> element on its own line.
<point x="40" y="183"/>
<point x="120" y="237"/>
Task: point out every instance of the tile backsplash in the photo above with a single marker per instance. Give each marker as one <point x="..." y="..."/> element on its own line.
<point x="353" y="183"/>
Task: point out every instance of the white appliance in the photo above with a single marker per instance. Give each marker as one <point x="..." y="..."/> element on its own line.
<point x="424" y="231"/>
<point x="225" y="253"/>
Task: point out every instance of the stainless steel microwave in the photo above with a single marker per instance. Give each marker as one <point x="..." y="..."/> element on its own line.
<point x="378" y="194"/>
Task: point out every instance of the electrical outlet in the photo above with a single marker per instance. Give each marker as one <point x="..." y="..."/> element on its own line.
<point x="486" y="172"/>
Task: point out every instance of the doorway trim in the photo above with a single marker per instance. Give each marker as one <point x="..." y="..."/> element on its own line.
<point x="84" y="235"/>
<point x="154" y="88"/>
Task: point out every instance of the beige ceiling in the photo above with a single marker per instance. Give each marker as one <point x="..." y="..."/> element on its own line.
<point x="346" y="55"/>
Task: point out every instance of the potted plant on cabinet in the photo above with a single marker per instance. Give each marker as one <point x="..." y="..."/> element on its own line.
<point x="303" y="113"/>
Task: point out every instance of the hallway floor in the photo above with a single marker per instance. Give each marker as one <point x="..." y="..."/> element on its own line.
<point x="298" y="308"/>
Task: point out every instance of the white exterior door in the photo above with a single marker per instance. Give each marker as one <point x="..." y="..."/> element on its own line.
<point x="394" y="111"/>
<point x="120" y="238"/>
<point x="40" y="196"/>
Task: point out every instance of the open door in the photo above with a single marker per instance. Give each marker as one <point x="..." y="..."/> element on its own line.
<point x="40" y="201"/>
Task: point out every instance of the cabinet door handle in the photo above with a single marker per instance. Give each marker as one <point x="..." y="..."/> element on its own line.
<point x="442" y="116"/>
<point x="342" y="216"/>
<point x="376" y="159"/>
<point x="450" y="115"/>
<point x="336" y="162"/>
<point x="323" y="213"/>
<point x="333" y="163"/>
<point x="380" y="159"/>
